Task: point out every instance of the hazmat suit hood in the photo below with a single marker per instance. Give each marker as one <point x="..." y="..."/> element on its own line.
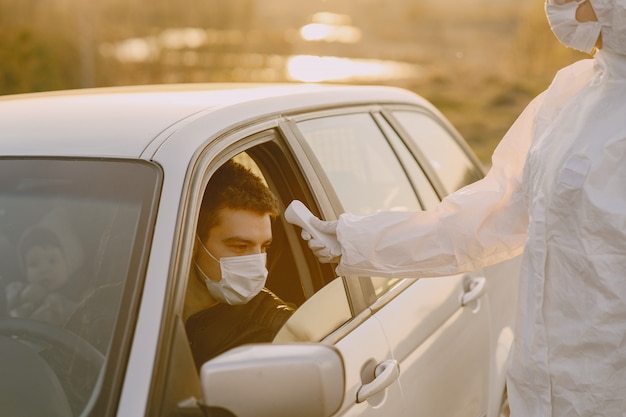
<point x="612" y="16"/>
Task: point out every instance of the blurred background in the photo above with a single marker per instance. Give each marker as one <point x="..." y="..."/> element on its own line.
<point x="479" y="61"/>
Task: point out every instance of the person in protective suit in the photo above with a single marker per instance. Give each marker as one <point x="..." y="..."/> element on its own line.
<point x="226" y="303"/>
<point x="556" y="192"/>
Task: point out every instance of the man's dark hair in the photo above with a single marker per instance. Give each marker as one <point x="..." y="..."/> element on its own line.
<point x="235" y="187"/>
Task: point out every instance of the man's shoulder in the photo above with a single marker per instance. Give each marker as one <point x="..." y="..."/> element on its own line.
<point x="267" y="296"/>
<point x="263" y="303"/>
<point x="269" y="310"/>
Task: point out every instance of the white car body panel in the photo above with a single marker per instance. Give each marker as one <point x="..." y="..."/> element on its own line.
<point x="435" y="334"/>
<point x="124" y="121"/>
<point x="386" y="403"/>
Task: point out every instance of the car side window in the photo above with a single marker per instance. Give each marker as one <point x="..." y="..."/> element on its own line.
<point x="366" y="171"/>
<point x="426" y="193"/>
<point x="447" y="158"/>
<point x="360" y="163"/>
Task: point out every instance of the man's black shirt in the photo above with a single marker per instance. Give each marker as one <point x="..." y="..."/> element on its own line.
<point x="223" y="326"/>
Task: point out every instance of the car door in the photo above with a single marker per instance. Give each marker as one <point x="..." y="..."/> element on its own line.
<point x="383" y="366"/>
<point x="324" y="302"/>
<point x="436" y="329"/>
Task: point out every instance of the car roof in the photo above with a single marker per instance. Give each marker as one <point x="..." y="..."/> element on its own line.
<point x="127" y="121"/>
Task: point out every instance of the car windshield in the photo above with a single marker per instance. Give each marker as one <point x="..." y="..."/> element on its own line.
<point x="73" y="234"/>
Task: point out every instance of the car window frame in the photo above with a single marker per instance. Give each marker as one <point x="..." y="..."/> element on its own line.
<point x="172" y="344"/>
<point x="362" y="296"/>
<point x="329" y="206"/>
<point x="400" y="147"/>
<point x="424" y="162"/>
<point x="172" y="348"/>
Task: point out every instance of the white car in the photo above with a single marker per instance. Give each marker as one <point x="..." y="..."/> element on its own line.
<point x="119" y="174"/>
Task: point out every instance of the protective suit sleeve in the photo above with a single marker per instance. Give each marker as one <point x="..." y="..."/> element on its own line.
<point x="480" y="224"/>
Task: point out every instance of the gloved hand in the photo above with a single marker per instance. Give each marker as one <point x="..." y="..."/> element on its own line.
<point x="329" y="250"/>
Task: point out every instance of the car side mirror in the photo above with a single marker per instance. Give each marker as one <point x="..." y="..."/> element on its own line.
<point x="274" y="380"/>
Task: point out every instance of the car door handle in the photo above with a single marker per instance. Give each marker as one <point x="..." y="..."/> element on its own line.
<point x="386" y="373"/>
<point x="476" y="290"/>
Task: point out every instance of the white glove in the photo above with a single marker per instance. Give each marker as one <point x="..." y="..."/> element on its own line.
<point x="328" y="251"/>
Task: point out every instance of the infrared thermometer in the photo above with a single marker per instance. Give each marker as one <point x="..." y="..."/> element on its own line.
<point x="297" y="213"/>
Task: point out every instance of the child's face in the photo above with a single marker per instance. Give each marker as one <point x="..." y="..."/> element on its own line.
<point x="46" y="266"/>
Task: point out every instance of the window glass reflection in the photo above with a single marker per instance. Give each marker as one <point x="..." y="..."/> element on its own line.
<point x="360" y="164"/>
<point x="446" y="157"/>
<point x="427" y="195"/>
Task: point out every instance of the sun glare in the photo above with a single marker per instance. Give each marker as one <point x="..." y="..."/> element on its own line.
<point x="309" y="68"/>
<point x="330" y="27"/>
<point x="315" y="31"/>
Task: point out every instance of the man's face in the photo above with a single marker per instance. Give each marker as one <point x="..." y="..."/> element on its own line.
<point x="237" y="233"/>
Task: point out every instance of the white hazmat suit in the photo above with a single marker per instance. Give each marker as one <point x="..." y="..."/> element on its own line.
<point x="556" y="192"/>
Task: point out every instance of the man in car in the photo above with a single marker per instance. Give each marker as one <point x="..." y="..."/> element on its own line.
<point x="227" y="304"/>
